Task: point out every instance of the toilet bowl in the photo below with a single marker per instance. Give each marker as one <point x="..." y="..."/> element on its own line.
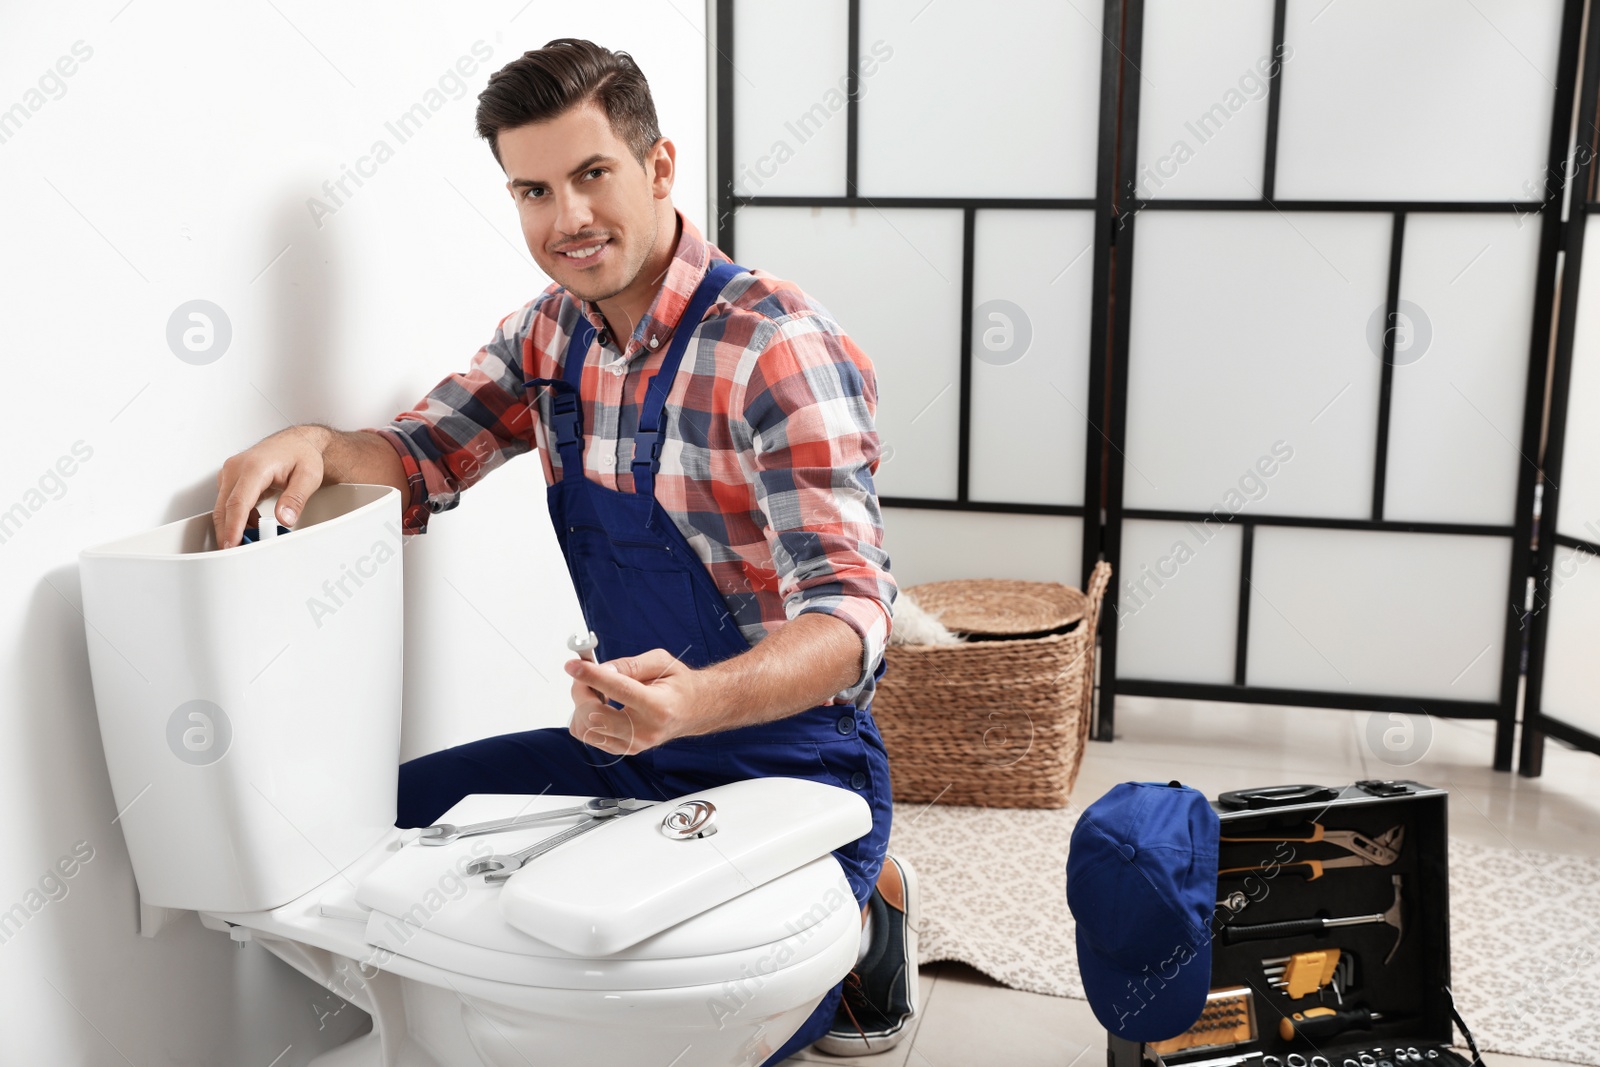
<point x="431" y="954"/>
<point x="249" y="707"/>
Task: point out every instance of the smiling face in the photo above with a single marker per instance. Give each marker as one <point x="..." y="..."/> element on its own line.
<point x="591" y="214"/>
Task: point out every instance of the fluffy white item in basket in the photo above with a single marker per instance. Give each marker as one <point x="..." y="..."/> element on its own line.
<point x="913" y="625"/>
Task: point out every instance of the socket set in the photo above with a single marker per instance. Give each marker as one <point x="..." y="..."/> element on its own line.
<point x="1408" y="1056"/>
<point x="1377" y="1056"/>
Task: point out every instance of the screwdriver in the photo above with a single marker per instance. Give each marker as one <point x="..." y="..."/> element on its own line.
<point x="1315" y="1023"/>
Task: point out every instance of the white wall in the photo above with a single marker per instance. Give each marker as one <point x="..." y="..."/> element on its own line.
<point x="175" y="163"/>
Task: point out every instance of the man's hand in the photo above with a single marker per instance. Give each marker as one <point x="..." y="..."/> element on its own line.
<point x="661" y="699"/>
<point x="291" y="459"/>
<point x="802" y="664"/>
<point x="300" y="460"/>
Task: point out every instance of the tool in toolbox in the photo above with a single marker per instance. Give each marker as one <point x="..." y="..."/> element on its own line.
<point x="1305" y="973"/>
<point x="1228" y="1019"/>
<point x="1317" y="1024"/>
<point x="1233" y="934"/>
<point x="1364" y="851"/>
<point x="1224" y="1061"/>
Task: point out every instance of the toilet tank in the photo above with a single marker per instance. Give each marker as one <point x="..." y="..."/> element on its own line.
<point x="249" y="698"/>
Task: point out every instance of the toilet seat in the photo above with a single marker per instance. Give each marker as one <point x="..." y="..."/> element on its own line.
<point x="657" y="963"/>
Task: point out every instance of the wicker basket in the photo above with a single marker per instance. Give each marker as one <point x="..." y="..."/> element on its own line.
<point x="1001" y="721"/>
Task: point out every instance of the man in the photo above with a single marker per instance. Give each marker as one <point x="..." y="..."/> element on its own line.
<point x="707" y="435"/>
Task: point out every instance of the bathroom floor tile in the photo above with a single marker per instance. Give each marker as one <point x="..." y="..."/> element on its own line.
<point x="974" y="1020"/>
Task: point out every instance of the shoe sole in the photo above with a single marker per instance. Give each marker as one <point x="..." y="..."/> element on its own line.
<point x="858" y="1046"/>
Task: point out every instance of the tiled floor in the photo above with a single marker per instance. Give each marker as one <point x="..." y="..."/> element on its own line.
<point x="969" y="1021"/>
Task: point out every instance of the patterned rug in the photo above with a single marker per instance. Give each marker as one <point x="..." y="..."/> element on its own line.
<point x="993" y="883"/>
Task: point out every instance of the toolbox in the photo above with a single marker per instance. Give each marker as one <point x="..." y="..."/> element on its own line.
<point x="1331" y="937"/>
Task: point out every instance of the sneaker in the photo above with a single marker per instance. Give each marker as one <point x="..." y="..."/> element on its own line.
<point x="881" y="994"/>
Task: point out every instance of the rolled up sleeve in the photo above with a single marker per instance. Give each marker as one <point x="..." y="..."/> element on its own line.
<point x="808" y="405"/>
<point x="466" y="426"/>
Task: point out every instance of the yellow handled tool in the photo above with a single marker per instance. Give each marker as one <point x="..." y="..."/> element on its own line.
<point x="1364" y="851"/>
<point x="1303" y="973"/>
<point x="1314" y="1024"/>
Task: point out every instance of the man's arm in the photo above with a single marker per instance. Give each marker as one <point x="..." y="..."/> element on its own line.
<point x="466" y="426"/>
<point x="301" y="459"/>
<point x="800" y="665"/>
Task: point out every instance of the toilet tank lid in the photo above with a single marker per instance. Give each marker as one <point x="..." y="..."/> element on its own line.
<point x="646" y="872"/>
<point x="193" y="540"/>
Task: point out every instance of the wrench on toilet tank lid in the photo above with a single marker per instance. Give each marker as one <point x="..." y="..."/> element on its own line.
<point x="599" y="808"/>
<point x="498" y="868"/>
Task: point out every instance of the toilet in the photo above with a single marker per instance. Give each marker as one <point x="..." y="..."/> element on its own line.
<point x="249" y="706"/>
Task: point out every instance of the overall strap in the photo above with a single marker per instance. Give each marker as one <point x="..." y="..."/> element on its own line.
<point x="647" y="439"/>
<point x="566" y="400"/>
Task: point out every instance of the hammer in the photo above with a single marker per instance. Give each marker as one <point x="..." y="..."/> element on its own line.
<point x="1296" y="927"/>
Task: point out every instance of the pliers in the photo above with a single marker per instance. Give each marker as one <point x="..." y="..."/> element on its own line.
<point x="1364" y="851"/>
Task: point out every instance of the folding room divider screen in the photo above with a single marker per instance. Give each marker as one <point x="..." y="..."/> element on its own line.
<point x="1270" y="281"/>
<point x="1563" y="691"/>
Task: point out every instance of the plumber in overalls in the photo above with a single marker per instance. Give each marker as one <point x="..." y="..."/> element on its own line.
<point x="707" y="434"/>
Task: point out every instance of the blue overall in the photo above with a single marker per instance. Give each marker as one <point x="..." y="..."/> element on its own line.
<point x="642" y="587"/>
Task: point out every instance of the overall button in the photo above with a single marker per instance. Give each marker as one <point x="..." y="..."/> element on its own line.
<point x="858" y="780"/>
<point x="846" y="724"/>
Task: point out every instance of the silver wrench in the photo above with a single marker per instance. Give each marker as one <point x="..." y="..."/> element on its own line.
<point x="443" y="833"/>
<point x="584" y="645"/>
<point x="498" y="868"/>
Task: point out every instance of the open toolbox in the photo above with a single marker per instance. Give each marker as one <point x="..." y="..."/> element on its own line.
<point x="1331" y="936"/>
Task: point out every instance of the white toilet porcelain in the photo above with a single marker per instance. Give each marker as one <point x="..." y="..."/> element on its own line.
<point x="249" y="703"/>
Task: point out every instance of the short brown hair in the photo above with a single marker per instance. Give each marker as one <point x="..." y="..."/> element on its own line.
<point x="566" y="73"/>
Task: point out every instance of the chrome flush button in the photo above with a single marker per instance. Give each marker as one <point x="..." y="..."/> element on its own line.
<point x="689" y="820"/>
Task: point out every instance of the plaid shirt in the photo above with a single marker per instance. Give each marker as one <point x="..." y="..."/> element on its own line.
<point x="767" y="453"/>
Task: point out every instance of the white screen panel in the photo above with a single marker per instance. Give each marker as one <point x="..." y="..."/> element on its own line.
<point x="1247" y="352"/>
<point x="1461" y="367"/>
<point x="1005" y="104"/>
<point x="1033" y="281"/>
<point x="1203" y="98"/>
<point x="1579" y="510"/>
<point x="934" y="546"/>
<point x="1357" y="611"/>
<point x="1572" y="650"/>
<point x="789" y="98"/>
<point x="1422" y="100"/>
<point x="909" y="329"/>
<point x="1178" y="601"/>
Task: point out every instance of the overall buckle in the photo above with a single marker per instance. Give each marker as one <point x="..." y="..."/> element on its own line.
<point x="566" y="411"/>
<point x="565" y="416"/>
<point x="646" y="448"/>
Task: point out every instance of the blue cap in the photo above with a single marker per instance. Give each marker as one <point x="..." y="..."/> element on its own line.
<point x="1142" y="886"/>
